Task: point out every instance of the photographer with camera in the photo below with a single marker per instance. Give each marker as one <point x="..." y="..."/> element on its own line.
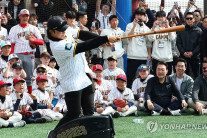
<point x="138" y="48"/>
<point x="162" y="43"/>
<point x="150" y="15"/>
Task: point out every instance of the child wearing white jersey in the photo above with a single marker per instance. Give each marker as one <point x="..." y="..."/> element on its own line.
<point x="139" y="86"/>
<point x="25" y="103"/>
<point x="8" y="117"/>
<point x="112" y="71"/>
<point x="104" y="86"/>
<point x="121" y="91"/>
<point x="43" y="100"/>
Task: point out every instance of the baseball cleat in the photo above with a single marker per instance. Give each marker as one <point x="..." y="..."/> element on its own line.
<point x="48" y="118"/>
<point x="204" y="112"/>
<point x="154" y="113"/>
<point x="175" y="112"/>
<point x="116" y="115"/>
<point x="19" y="124"/>
<point x="40" y="120"/>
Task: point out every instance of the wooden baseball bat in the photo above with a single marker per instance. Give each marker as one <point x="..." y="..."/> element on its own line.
<point x="166" y="30"/>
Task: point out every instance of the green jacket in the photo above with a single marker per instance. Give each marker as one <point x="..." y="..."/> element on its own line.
<point x="186" y="86"/>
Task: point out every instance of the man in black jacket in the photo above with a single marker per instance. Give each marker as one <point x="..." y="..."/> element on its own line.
<point x="188" y="43"/>
<point x="159" y="92"/>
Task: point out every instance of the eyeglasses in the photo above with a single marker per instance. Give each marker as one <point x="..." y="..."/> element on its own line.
<point x="196" y="15"/>
<point x="41" y="71"/>
<point x="189" y="18"/>
<point x="142" y="67"/>
<point x="204" y="68"/>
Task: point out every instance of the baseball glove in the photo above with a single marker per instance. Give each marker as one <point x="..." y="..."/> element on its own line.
<point x="32" y="45"/>
<point x="119" y="102"/>
<point x="26" y="113"/>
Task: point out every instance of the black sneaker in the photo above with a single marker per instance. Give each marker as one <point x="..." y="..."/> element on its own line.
<point x="40" y="120"/>
<point x="116" y="115"/>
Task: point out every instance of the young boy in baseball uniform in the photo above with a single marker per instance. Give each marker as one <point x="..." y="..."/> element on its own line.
<point x="6" y="49"/>
<point x="112" y="71"/>
<point x="43" y="100"/>
<point x="104" y="86"/>
<point x="25" y="102"/>
<point x="139" y="85"/>
<point x="45" y="60"/>
<point x="56" y="73"/>
<point x="41" y="70"/>
<point x="121" y="91"/>
<point x="59" y="99"/>
<point x="8" y="117"/>
<point x="75" y="80"/>
<point x="22" y="37"/>
<point x="99" y="103"/>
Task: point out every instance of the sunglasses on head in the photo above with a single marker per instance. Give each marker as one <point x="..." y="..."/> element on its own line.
<point x="41" y="71"/>
<point x="142" y="67"/>
<point x="189" y="18"/>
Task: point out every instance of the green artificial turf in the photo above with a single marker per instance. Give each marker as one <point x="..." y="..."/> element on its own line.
<point x="125" y="128"/>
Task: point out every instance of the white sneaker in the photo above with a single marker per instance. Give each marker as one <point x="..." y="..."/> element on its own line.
<point x="154" y="113"/>
<point x="204" y="112"/>
<point x="175" y="112"/>
<point x="19" y="124"/>
<point x="48" y="118"/>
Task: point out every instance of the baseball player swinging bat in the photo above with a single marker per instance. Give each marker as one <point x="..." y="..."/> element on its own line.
<point x="166" y="30"/>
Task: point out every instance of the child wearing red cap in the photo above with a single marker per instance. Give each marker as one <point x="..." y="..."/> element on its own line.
<point x="124" y="93"/>
<point x="43" y="100"/>
<point x="104" y="86"/>
<point x="8" y="117"/>
<point x="24" y="103"/>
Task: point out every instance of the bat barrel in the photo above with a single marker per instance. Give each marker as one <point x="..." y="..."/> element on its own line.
<point x="166" y="30"/>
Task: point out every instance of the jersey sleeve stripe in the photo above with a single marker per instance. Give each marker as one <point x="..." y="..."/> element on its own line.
<point x="74" y="49"/>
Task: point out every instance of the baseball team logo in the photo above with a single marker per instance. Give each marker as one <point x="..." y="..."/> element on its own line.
<point x="152" y="126"/>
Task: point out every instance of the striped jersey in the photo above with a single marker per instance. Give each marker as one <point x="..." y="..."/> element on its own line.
<point x="111" y="74"/>
<point x="105" y="87"/>
<point x="25" y="101"/>
<point x="72" y="67"/>
<point x="127" y="94"/>
<point x="17" y="35"/>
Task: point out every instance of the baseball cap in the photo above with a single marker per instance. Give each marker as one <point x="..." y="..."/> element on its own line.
<point x="12" y="56"/>
<point x="112" y="58"/>
<point x="57" y="23"/>
<point x="41" y="77"/>
<point x="17" y="65"/>
<point x="19" y="79"/>
<point x="97" y="67"/>
<point x="24" y="12"/>
<point x="143" y="67"/>
<point x="121" y="77"/>
<point x="5" y="43"/>
<point x="41" y="66"/>
<point x="2" y="83"/>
